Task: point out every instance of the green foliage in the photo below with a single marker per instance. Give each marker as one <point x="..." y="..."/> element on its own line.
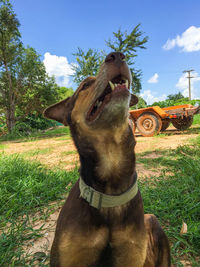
<point x="168" y="102"/>
<point x="175" y="97"/>
<point x="35" y="89"/>
<point x="10" y="45"/>
<point x="88" y="64"/>
<point x="38" y="122"/>
<point x="25" y="87"/>
<point x="128" y="44"/>
<point x="64" y="92"/>
<point x="9" y="33"/>
<point x="30" y="125"/>
<point x="175" y="100"/>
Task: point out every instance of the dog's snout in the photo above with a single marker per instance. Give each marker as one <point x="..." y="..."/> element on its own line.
<point x="115" y="57"/>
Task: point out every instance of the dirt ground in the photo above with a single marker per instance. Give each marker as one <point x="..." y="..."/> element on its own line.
<point x="60" y="152"/>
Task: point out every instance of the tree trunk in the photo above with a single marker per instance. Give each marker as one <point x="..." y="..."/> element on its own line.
<point x="10" y="116"/>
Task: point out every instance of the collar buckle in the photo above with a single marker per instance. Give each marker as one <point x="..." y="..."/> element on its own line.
<point x="87" y="193"/>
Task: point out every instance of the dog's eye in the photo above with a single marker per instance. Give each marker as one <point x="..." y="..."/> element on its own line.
<point x="85" y="86"/>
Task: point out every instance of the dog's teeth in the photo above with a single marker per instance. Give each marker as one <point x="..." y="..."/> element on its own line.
<point x="112" y="85"/>
<point x="126" y="83"/>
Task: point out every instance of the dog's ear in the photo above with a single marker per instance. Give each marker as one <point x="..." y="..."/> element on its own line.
<point x="134" y="100"/>
<point x="58" y="111"/>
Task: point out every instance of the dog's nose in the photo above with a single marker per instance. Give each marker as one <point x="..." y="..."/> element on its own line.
<point x="114" y="57"/>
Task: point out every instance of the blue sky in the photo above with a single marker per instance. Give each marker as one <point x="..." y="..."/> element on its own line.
<point x="56" y="28"/>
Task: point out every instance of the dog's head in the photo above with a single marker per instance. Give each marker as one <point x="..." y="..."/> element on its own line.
<point x="100" y="102"/>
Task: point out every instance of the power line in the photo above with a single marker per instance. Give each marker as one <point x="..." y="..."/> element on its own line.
<point x="189" y="84"/>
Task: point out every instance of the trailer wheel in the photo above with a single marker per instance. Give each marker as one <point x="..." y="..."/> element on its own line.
<point x="149" y="124"/>
<point x="165" y="125"/>
<point x="183" y="124"/>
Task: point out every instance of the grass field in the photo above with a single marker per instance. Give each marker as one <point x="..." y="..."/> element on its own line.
<point x="25" y="188"/>
<point x="174" y="197"/>
<point x="31" y="192"/>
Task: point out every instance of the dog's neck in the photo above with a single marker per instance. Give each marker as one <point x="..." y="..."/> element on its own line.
<point x="107" y="160"/>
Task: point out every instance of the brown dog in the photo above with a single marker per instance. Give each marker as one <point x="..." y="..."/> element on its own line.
<point x="102" y="222"/>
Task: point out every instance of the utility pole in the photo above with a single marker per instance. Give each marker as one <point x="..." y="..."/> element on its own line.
<point x="189" y="84"/>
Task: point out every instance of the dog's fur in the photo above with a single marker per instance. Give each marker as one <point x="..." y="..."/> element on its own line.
<point x="110" y="237"/>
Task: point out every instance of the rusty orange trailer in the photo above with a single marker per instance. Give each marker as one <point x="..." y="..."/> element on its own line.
<point x="152" y="120"/>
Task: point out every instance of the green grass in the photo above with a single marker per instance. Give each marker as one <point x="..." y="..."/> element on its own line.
<point x="24" y="189"/>
<point x="70" y="152"/>
<point x="196" y="119"/>
<point x="35" y="152"/>
<point x="175" y="198"/>
<point x="58" y="131"/>
<point x="2" y="146"/>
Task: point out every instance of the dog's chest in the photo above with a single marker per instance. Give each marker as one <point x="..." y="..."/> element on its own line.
<point x="128" y="246"/>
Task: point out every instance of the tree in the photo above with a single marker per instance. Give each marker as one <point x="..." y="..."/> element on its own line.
<point x="128" y="45"/>
<point x="64" y="92"/>
<point x="175" y="97"/>
<point x="87" y="64"/>
<point x="9" y="45"/>
<point x="25" y="87"/>
<point x="34" y="89"/>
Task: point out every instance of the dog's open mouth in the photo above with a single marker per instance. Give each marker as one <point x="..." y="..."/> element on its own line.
<point x="117" y="84"/>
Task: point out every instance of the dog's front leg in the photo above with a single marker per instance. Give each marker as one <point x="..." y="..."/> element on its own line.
<point x="81" y="249"/>
<point x="129" y="247"/>
<point x="158" y="251"/>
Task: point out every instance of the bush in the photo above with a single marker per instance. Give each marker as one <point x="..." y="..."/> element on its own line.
<point x="168" y="102"/>
<point x="38" y="122"/>
<point x="30" y="125"/>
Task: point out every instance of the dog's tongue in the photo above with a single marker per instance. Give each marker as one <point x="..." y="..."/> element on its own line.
<point x="120" y="86"/>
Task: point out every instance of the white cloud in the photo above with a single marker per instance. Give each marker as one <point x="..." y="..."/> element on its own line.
<point x="154" y="78"/>
<point x="150" y="98"/>
<point x="182" y="85"/>
<point x="58" y="67"/>
<point x="189" y="41"/>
